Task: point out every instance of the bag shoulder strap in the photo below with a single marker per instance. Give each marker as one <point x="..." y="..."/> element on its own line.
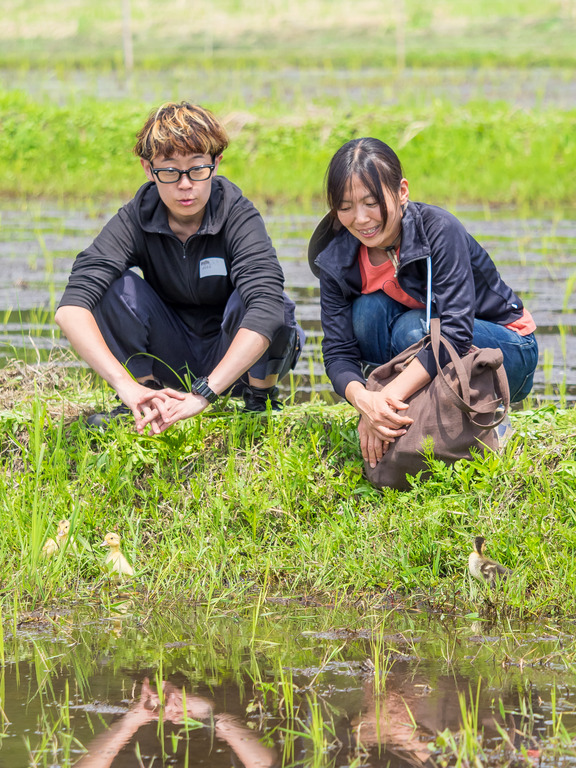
<point x="428" y="292"/>
<point x="463" y="401"/>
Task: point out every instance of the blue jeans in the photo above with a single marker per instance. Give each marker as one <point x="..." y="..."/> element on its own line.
<point x="383" y="328"/>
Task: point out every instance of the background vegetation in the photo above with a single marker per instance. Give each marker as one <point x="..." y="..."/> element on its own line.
<point x="294" y="81"/>
<point x="270" y="33"/>
<point x="469" y="154"/>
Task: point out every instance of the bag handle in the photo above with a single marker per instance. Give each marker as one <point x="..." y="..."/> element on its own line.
<point x="463" y="402"/>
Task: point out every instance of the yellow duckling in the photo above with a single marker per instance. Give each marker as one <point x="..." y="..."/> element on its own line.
<point x="62" y="535"/>
<point x="52" y="546"/>
<point x="115" y="560"/>
<point x="484" y="569"/>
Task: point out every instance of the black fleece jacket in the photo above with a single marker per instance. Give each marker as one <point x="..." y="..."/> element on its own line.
<point x="465" y="285"/>
<point x="231" y="250"/>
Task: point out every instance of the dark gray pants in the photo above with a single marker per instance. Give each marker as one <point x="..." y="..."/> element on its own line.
<point x="149" y="337"/>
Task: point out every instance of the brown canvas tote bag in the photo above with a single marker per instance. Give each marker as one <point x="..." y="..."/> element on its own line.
<point x="453" y="413"/>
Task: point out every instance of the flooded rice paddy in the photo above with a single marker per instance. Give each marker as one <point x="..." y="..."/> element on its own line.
<point x="284" y="684"/>
<point x="536" y="256"/>
<point x="536" y="87"/>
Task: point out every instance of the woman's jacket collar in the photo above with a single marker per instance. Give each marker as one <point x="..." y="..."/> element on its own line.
<point x="333" y="247"/>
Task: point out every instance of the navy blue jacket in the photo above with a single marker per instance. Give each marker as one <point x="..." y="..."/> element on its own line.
<point x="231" y="250"/>
<point x="465" y="285"/>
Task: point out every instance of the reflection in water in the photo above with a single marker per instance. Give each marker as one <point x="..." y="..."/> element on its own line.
<point x="410" y="714"/>
<point x="173" y="706"/>
<point x="536" y="256"/>
<point x="186" y="689"/>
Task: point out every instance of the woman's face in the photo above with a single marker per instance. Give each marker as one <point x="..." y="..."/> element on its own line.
<point x="360" y="213"/>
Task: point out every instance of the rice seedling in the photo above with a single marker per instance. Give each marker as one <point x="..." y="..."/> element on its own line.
<point x="465" y="746"/>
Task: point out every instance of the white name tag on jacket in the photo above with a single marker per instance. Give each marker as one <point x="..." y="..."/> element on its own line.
<point x="211" y="267"/>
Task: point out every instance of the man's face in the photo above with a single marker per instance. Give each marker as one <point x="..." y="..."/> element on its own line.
<point x="185" y="199"/>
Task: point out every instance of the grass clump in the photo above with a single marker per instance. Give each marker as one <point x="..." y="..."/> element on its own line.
<point x="228" y="503"/>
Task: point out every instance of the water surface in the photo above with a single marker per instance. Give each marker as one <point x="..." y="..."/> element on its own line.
<point x="280" y="684"/>
<point x="239" y="89"/>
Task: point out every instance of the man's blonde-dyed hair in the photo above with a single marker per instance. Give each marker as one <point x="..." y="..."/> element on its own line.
<point x="180" y="129"/>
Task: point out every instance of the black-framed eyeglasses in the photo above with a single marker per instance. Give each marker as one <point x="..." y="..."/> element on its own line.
<point x="172" y="175"/>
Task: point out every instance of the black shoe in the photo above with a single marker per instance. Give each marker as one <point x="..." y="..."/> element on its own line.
<point x="103" y="419"/>
<point x="256" y="399"/>
<point x="121" y="411"/>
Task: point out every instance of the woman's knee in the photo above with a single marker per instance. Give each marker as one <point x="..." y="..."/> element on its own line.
<point x="374" y="313"/>
<point x="364" y="310"/>
<point x="408" y="329"/>
<point x="520" y="368"/>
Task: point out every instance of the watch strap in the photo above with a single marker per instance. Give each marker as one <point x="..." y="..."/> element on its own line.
<point x="201" y="387"/>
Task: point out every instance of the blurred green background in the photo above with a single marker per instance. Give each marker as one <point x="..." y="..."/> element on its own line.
<point x="478" y="98"/>
<point x="273" y="33"/>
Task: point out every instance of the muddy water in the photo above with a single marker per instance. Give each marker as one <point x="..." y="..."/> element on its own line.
<point x="284" y="685"/>
<point x="537" y="256"/>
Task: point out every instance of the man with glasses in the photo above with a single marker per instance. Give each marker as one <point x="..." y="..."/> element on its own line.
<point x="209" y="313"/>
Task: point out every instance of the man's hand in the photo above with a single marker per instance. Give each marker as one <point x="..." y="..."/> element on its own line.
<point x="147" y="405"/>
<point x="161" y="409"/>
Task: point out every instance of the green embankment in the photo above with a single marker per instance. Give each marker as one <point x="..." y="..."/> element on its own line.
<point x="225" y="504"/>
<point x="480" y="153"/>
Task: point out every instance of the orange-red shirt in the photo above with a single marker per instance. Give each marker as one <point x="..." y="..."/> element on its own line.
<point x="381" y="278"/>
<point x="525" y="325"/>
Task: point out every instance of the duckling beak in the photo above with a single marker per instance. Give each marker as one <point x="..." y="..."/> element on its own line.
<point x="104" y="543"/>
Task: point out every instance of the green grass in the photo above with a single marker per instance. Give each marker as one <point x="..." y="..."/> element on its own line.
<point x="480" y="153"/>
<point x="225" y="504"/>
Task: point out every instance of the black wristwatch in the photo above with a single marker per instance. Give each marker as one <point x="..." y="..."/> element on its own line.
<point x="200" y="387"/>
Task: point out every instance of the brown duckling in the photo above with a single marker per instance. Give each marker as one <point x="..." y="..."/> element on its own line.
<point x="482" y="568"/>
<point x="115" y="560"/>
